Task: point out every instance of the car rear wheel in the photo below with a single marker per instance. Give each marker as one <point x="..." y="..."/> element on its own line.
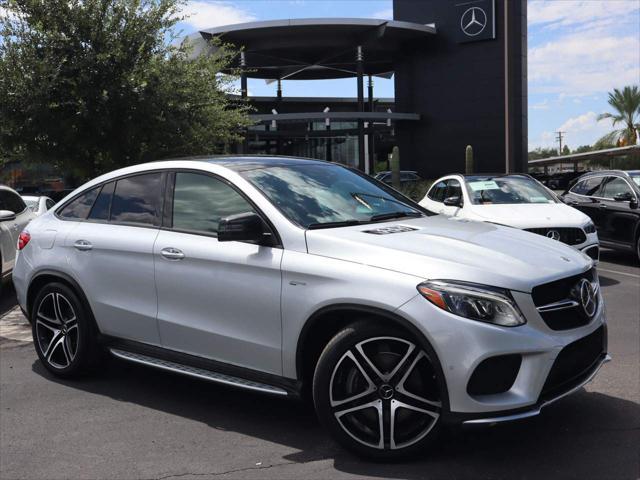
<point x="63" y="333"/>
<point x="376" y="391"/>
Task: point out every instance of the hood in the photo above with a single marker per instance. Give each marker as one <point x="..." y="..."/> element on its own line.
<point x="531" y="215"/>
<point x="447" y="248"/>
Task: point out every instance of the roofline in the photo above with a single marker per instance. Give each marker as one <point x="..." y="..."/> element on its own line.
<point x="323" y="21"/>
<point x="576" y="157"/>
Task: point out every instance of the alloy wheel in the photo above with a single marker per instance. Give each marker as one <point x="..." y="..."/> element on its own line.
<point x="56" y="327"/>
<point x="383" y="393"/>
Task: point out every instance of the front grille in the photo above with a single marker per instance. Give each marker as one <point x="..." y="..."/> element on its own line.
<point x="570" y="236"/>
<point x="559" y="291"/>
<point x="575" y="363"/>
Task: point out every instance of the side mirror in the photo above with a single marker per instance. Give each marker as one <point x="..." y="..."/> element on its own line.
<point x="453" y="201"/>
<point x="243" y="227"/>
<point x="7" y="215"/>
<point x="623" y="197"/>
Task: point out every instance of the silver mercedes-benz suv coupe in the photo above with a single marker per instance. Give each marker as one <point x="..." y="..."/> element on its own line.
<point x="292" y="277"/>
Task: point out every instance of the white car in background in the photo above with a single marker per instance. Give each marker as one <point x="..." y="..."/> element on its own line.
<point x="515" y="200"/>
<point x="14" y="217"/>
<point x="38" y="204"/>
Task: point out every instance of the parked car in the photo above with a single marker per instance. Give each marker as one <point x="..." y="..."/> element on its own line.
<point x="406" y="176"/>
<point x="38" y="204"/>
<point x="14" y="217"/>
<point x="610" y="198"/>
<point x="562" y="181"/>
<point x="286" y="276"/>
<point x="517" y="201"/>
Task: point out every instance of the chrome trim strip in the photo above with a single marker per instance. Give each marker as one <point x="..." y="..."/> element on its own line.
<point x="196" y="372"/>
<point x="561" y="305"/>
<point x="536" y="410"/>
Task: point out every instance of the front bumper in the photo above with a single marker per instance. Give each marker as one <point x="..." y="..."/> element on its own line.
<point x="462" y="345"/>
<point x="509" y="416"/>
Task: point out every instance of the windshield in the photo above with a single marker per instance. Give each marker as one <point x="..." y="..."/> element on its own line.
<point x="635" y="177"/>
<point x="31" y="203"/>
<point x="324" y="196"/>
<point x="507" y="190"/>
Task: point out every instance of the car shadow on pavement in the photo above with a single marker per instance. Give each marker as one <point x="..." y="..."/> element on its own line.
<point x="624" y="259"/>
<point x="587" y="435"/>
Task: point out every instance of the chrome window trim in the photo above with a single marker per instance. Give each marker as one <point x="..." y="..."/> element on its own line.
<point x="603" y="198"/>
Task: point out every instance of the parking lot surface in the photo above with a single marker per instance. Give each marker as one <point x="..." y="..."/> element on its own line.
<point x="134" y="422"/>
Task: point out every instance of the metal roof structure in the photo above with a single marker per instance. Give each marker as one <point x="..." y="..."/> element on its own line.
<point x="577" y="157"/>
<point x="316" y="48"/>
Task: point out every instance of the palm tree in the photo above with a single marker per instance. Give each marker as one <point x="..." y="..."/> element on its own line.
<point x="626" y="103"/>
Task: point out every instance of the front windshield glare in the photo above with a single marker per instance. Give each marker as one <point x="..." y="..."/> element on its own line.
<point x="314" y="196"/>
<point x="507" y="190"/>
<point x="636" y="178"/>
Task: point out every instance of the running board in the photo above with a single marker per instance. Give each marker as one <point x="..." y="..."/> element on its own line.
<point x="197" y="372"/>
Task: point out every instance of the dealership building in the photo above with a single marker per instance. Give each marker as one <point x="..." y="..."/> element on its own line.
<point x="459" y="69"/>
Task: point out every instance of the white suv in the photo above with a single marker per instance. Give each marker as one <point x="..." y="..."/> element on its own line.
<point x="14" y="217"/>
<point x="288" y="276"/>
<point x="516" y="200"/>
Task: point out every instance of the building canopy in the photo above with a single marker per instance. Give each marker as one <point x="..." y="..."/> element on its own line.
<point x="318" y="48"/>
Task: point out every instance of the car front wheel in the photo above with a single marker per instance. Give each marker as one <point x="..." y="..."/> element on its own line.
<point x="375" y="389"/>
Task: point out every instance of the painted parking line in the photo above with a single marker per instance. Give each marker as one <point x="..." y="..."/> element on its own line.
<point x="619" y="273"/>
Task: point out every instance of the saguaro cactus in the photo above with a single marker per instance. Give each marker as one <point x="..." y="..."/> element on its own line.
<point x="395" y="168"/>
<point x="468" y="159"/>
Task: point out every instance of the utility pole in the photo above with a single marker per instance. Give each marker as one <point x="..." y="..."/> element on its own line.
<point x="559" y="140"/>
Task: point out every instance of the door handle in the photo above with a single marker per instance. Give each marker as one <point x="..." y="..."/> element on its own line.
<point x="171" y="253"/>
<point x="82" y="245"/>
<point x="602" y="205"/>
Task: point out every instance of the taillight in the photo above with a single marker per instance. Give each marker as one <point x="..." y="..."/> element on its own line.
<point x="23" y="239"/>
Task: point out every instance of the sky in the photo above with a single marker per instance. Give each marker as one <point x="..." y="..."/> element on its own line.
<point x="579" y="50"/>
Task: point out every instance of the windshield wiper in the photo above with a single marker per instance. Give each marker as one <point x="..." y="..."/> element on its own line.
<point x="343" y="223"/>
<point x="389" y="216"/>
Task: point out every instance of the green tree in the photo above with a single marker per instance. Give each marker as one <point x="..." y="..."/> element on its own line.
<point x="626" y="104"/>
<point x="91" y="85"/>
<point x="566" y="150"/>
<point x="539" y="153"/>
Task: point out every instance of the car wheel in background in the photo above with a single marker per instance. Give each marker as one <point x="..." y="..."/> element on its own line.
<point x="376" y="391"/>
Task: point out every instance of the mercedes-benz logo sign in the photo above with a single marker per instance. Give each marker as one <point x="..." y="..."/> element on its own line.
<point x="588" y="297"/>
<point x="553" y="234"/>
<point x="473" y="21"/>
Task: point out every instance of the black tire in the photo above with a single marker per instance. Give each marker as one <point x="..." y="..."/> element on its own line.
<point x="64" y="334"/>
<point x="403" y="375"/>
<point x="638" y="248"/>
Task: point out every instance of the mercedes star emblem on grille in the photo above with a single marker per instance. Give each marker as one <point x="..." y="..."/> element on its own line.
<point x="553" y="234"/>
<point x="588" y="297"/>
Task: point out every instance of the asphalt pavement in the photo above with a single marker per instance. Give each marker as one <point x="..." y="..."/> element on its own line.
<point x="135" y="422"/>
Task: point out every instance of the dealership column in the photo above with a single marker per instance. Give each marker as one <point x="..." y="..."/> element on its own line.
<point x="360" y="74"/>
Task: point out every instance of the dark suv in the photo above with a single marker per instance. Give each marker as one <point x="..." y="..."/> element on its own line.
<point x="611" y="199"/>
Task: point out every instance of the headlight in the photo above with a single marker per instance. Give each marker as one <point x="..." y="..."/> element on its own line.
<point x="476" y="302"/>
<point x="589" y="228"/>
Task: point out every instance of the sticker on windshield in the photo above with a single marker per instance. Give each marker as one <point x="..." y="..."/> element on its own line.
<point x="484" y="185"/>
<point x="540" y="200"/>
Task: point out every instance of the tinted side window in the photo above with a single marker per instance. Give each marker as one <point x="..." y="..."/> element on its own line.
<point x="200" y="201"/>
<point x="78" y="209"/>
<point x="454" y="189"/>
<point x="11" y="201"/>
<point x="100" y="210"/>
<point x="614" y="186"/>
<point x="437" y="191"/>
<point x="588" y="186"/>
<point x="138" y="200"/>
<point x="48" y="204"/>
